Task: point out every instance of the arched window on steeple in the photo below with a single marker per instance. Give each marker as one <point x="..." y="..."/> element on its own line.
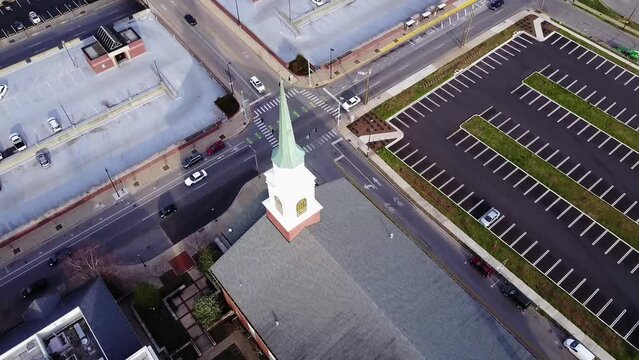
<point x="278" y="205"/>
<point x="301" y="207"/>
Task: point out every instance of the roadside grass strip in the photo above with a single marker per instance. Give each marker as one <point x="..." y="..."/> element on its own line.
<point x="564" y="186"/>
<point x="392" y="106"/>
<point x="583" y="109"/>
<point x="541" y="284"/>
<point x="598" y="51"/>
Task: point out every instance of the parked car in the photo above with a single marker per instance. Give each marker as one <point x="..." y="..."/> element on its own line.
<point x="43" y="159"/>
<point x="59" y="255"/>
<point x="190" y="19"/>
<point x="3" y="90"/>
<point x="350" y="103"/>
<point x="479" y="264"/>
<point x="496" y="4"/>
<point x="578" y="349"/>
<point x="18" y="25"/>
<point x="34" y="17"/>
<point x="193" y="158"/>
<point x="490" y="217"/>
<point x="34" y="288"/>
<point x="17" y="142"/>
<point x="167" y="210"/>
<point x="522" y="301"/>
<point x="195" y="178"/>
<point x="7" y="6"/>
<point x="318" y="2"/>
<point x="54" y="125"/>
<point x="216" y="147"/>
<point x="257" y="84"/>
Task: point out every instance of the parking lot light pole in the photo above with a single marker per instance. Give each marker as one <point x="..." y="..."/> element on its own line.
<point x="228" y="67"/>
<point x="330" y="63"/>
<point x="237" y="11"/>
<point x="256" y="165"/>
<point x="68" y="53"/>
<point x="111" y="180"/>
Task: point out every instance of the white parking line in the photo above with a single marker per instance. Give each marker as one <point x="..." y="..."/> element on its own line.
<point x="630" y="208"/>
<point x="472" y="72"/>
<point x="599" y="237"/>
<point x="541" y="196"/>
<point x="467" y="78"/>
<point x="593" y="135"/>
<point x="595" y="184"/>
<point x="512" y="47"/>
<point x="513" y="129"/>
<point x="604" y="307"/>
<point x="476" y="205"/>
<point x="538" y="96"/>
<point x="573" y="50"/>
<point x="544" y="105"/>
<point x="591" y="296"/>
<point x="507" y="230"/>
<point x="571" y="84"/>
<point x="565" y="211"/>
<point x="477" y="66"/>
<point x="617" y="319"/>
<point x="609" y="70"/>
<point x="541" y="148"/>
<point x="553" y="203"/>
<point x="552" y="112"/>
<point x="527" y="92"/>
<point x="517" y="240"/>
<point x="428" y="168"/>
<point x="552" y="267"/>
<point x="456" y="190"/>
<point x="584" y="53"/>
<point x="424" y="106"/>
<point x="611" y="246"/>
<point x="621" y="73"/>
<point x="531" y="187"/>
<point x="510" y="173"/>
<point x="500" y="166"/>
<point x="551" y="155"/>
<point x="429" y="99"/>
<point x="562" y="79"/>
<point x="519" y="182"/>
<point x="600" y="100"/>
<point x="446" y="91"/>
<point x="603" y="62"/>
<point x="619" y="114"/>
<point x="586" y="230"/>
<point x="456" y="79"/>
<point x="593" y="58"/>
<point x="559" y="38"/>
<point x="631" y="330"/>
<point x="564" y="45"/>
<point x="610" y="107"/>
<point x="409" y="155"/>
<point x="565" y="276"/>
<point x="625" y="255"/>
<point x="580" y="90"/>
<point x="576" y="219"/>
<point x="583" y="129"/>
<point x="541" y="257"/>
<point x="589" y="96"/>
<point x="615" y="149"/>
<point x="583" y="177"/>
<point x="566" y="114"/>
<point x="491" y="159"/>
<point x="436" y="176"/>
<point x="530" y="247"/>
<point x="446" y="183"/>
<point x="578" y="286"/>
<point x="419" y="161"/>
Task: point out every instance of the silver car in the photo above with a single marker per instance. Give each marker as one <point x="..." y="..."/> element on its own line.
<point x="490" y="217"/>
<point x="54" y="125"/>
<point x="43" y="159"/>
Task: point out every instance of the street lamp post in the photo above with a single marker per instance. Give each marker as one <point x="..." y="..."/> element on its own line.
<point x="256" y="164"/>
<point x="111" y="180"/>
<point x="629" y="17"/>
<point x="228" y="67"/>
<point x="68" y="53"/>
<point x="370" y="130"/>
<point x="237" y="12"/>
<point x="330" y="63"/>
<point x="290" y="16"/>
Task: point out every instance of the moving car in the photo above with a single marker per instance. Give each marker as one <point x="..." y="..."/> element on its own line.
<point x="217" y="146"/>
<point x="34" y="288"/>
<point x="17" y="142"/>
<point x="521" y="300"/>
<point x="257" y="84"/>
<point x="490" y="217"/>
<point x="35" y="18"/>
<point x="59" y="255"/>
<point x="496" y="4"/>
<point x="479" y="264"/>
<point x="577" y="349"/>
<point x="193" y="158"/>
<point x="195" y="178"/>
<point x="3" y="90"/>
<point x="54" y="125"/>
<point x="190" y="19"/>
<point x="43" y="159"/>
<point x="348" y="104"/>
<point x="167" y="210"/>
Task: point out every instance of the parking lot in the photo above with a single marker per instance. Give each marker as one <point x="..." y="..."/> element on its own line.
<point x="63" y="86"/>
<point x="15" y="12"/>
<point x="585" y="259"/>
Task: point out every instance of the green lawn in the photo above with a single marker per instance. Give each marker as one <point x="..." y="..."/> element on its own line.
<point x="581" y="317"/>
<point x="599" y="6"/>
<point x="582" y="108"/>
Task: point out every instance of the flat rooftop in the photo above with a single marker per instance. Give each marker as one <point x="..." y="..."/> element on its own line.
<point x="63" y="86"/>
<point x="332" y="30"/>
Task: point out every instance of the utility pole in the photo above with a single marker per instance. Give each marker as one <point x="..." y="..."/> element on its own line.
<point x="368" y="87"/>
<point x="228" y="67"/>
<point x="237" y="12"/>
<point x="467" y="30"/>
<point x="111" y="180"/>
<point x="309" y="72"/>
<point x="290" y="17"/>
<point x="68" y="53"/>
<point x="256" y="165"/>
<point x="330" y="63"/>
<point x="625" y="23"/>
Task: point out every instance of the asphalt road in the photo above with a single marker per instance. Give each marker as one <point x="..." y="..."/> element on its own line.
<point x="537" y="226"/>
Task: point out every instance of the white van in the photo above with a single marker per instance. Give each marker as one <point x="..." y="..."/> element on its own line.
<point x="425" y="15"/>
<point x="441" y="6"/>
<point x="577" y="349"/>
<point x="409" y="24"/>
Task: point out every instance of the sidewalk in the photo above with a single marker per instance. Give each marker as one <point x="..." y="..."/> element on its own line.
<point x="360" y="56"/>
<point x="17" y="245"/>
<point x="438" y="217"/>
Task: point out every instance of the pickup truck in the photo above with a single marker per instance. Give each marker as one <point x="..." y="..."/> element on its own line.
<point x="17" y="142"/>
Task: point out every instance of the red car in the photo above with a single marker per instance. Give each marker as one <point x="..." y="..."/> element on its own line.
<point x="485" y="269"/>
<point x="219" y="145"/>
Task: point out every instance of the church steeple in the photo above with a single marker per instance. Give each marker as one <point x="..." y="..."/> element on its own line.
<point x="288" y="154"/>
<point x="291" y="205"/>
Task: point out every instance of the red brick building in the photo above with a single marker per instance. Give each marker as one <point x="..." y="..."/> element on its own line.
<point x="113" y="47"/>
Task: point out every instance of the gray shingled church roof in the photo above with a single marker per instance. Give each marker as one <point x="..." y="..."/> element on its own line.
<point x="344" y="289"/>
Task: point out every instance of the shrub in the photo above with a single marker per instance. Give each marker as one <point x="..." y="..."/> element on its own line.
<point x="207" y="311"/>
<point x="299" y="66"/>
<point x="206" y="258"/>
<point x="228" y="104"/>
<point x="146" y="296"/>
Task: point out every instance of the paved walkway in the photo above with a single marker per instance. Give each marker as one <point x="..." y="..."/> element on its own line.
<point x="624" y="7"/>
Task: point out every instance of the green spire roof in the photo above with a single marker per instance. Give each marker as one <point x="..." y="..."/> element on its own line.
<point x="287" y="154"/>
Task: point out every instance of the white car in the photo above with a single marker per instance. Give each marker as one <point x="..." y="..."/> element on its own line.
<point x="195" y="178"/>
<point x="17" y="141"/>
<point x="3" y="90"/>
<point x="257" y="84"/>
<point x="318" y="2"/>
<point x="35" y="19"/>
<point x="348" y="104"/>
<point x="490" y="217"/>
<point x="577" y="349"/>
<point x="54" y="125"/>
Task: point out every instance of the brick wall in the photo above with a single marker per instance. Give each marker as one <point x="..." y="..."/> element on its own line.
<point x="248" y="326"/>
<point x="136" y="48"/>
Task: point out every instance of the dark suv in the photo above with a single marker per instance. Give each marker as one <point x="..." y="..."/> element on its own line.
<point x="34" y="288"/>
<point x="167" y="210"/>
<point x="496" y="4"/>
<point x="521" y="300"/>
<point x="59" y="255"/>
<point x="193" y="158"/>
<point x="479" y="264"/>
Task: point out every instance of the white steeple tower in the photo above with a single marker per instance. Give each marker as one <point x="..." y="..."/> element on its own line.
<point x="291" y="205"/>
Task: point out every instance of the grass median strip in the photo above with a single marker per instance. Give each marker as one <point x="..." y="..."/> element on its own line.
<point x="583" y="109"/>
<point x="561" y="184"/>
<point x="570" y="308"/>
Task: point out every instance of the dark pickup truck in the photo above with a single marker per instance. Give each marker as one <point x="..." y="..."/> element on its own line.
<point x="521" y="300"/>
